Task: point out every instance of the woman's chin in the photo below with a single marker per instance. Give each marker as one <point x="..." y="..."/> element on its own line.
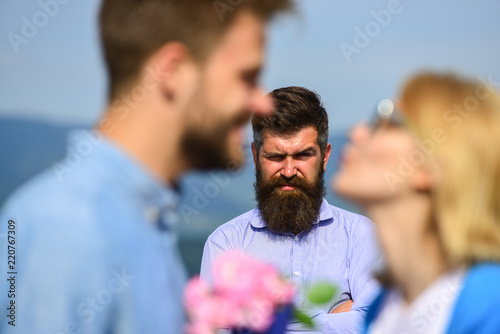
<point x="343" y="187"/>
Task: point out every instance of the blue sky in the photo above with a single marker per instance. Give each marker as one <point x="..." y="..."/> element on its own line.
<point x="58" y="76"/>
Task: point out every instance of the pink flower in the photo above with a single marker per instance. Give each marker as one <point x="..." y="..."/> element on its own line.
<point x="259" y="315"/>
<point x="246" y="293"/>
<point x="279" y="291"/>
<point x="196" y="292"/>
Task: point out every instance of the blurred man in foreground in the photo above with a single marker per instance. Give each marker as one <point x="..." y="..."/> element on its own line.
<point x="293" y="226"/>
<point x="95" y="249"/>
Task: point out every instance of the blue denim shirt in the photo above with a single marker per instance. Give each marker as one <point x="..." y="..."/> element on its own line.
<point x="341" y="248"/>
<point x="94" y="250"/>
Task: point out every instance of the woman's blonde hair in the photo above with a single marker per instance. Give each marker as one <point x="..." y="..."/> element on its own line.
<point x="457" y="122"/>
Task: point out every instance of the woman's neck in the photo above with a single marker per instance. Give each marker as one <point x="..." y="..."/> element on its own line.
<point x="412" y="248"/>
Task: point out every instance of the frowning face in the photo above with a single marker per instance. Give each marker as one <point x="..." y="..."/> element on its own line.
<point x="297" y="155"/>
<point x="289" y="180"/>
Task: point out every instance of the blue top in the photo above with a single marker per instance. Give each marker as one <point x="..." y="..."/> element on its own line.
<point x="477" y="309"/>
<point x="341" y="248"/>
<point x="94" y="251"/>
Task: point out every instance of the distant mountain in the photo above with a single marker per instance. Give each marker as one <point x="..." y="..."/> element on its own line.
<point x="209" y="199"/>
<point x="26" y="148"/>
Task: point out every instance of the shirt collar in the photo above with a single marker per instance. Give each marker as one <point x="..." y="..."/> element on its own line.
<point x="154" y="197"/>
<point x="325" y="213"/>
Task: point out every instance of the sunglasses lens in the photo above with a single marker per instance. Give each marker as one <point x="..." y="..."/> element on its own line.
<point x="387" y="115"/>
<point x="385" y="109"/>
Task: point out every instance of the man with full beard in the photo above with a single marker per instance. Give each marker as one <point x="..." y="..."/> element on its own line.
<point x="293" y="226"/>
<point x="96" y="249"/>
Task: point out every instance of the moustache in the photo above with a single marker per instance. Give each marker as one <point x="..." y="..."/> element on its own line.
<point x="281" y="181"/>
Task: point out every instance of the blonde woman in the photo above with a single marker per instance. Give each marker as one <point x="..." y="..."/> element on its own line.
<point x="428" y="174"/>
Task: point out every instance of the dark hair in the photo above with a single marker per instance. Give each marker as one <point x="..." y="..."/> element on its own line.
<point x="132" y="30"/>
<point x="295" y="108"/>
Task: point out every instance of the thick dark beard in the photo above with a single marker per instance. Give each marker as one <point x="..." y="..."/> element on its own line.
<point x="292" y="211"/>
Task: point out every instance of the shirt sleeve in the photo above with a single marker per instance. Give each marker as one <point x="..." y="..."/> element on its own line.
<point x="217" y="243"/>
<point x="364" y="257"/>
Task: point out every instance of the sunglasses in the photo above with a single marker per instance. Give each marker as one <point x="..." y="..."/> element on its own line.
<point x="387" y="115"/>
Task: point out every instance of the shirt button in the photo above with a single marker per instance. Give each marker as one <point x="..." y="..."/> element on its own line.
<point x="152" y="214"/>
<point x="296" y="274"/>
<point x="296" y="238"/>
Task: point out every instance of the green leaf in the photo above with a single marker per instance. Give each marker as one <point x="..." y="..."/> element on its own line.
<point x="321" y="293"/>
<point x="303" y="318"/>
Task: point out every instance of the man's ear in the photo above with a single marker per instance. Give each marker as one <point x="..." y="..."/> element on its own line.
<point x="168" y="67"/>
<point x="255" y="154"/>
<point x="327" y="152"/>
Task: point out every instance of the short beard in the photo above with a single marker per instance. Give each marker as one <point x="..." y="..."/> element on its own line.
<point x="206" y="149"/>
<point x="289" y="211"/>
<point x="205" y="142"/>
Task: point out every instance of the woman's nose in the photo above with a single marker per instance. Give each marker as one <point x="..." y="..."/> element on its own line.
<point x="359" y="133"/>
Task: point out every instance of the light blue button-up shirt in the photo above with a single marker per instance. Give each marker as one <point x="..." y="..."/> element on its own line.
<point x="95" y="252"/>
<point x="341" y="248"/>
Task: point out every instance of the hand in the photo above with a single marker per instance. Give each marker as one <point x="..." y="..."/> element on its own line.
<point x="344" y="307"/>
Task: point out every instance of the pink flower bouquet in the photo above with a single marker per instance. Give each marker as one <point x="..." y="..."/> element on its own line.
<point x="247" y="293"/>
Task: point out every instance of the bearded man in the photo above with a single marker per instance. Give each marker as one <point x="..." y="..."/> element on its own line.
<point x="96" y="247"/>
<point x="293" y="226"/>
